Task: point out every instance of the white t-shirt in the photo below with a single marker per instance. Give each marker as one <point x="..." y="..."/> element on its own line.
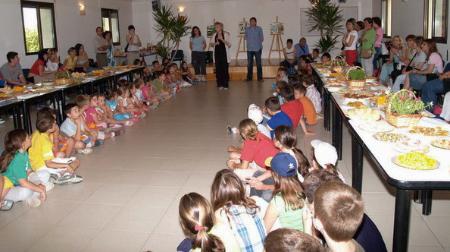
<point x="290" y="53"/>
<point x="355" y="40"/>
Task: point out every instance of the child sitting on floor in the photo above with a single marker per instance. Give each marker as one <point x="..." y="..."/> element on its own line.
<point x="199" y="224"/>
<point x="325" y="157"/>
<point x="148" y="95"/>
<point x="234" y="209"/>
<point x="288" y="199"/>
<point x="293" y="108"/>
<point x="73" y="128"/>
<point x="255" y="113"/>
<point x="312" y="93"/>
<point x="111" y="103"/>
<point x="160" y="88"/>
<point x="137" y="99"/>
<point x="97" y="135"/>
<point x="309" y="112"/>
<point x="282" y="75"/>
<point x="124" y="105"/>
<point x="186" y="74"/>
<point x="304" y="65"/>
<point x="249" y="161"/>
<point x="336" y="197"/>
<point x="286" y="141"/>
<point x="277" y="117"/>
<point x="15" y="165"/>
<point x="288" y="240"/>
<point x="42" y="158"/>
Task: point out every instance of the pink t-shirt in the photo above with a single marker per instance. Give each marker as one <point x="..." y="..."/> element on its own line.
<point x="379" y="38"/>
<point x="89" y="114"/>
<point x="436" y="60"/>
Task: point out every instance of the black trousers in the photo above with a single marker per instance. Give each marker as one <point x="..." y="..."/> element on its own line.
<point x="222" y="74"/>
<point x="199" y="62"/>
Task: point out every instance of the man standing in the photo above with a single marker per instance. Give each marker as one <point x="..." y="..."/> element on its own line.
<point x="12" y="71"/>
<point x="254" y="36"/>
<point x="301" y="49"/>
<point x="100" y="47"/>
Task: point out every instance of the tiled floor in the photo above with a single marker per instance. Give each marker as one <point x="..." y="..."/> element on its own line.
<point x="129" y="200"/>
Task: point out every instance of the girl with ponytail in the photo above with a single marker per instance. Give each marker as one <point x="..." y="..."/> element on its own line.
<point x="15" y="166"/>
<point x="286" y="140"/>
<point x="198" y="224"/>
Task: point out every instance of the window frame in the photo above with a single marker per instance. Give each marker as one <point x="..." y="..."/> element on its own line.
<point x="38" y="5"/>
<point x="429" y="21"/>
<point x="387" y="24"/>
<point x="109" y="11"/>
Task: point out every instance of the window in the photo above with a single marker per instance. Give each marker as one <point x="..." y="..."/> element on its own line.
<point x="386" y="17"/>
<point x="110" y="22"/>
<point x="435" y="21"/>
<point x="38" y="21"/>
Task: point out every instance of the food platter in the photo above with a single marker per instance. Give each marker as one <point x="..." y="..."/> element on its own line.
<point x="409" y="145"/>
<point x="390" y="137"/>
<point x="441" y="143"/>
<point x="364" y="114"/>
<point x="416" y="161"/>
<point x="429" y="131"/>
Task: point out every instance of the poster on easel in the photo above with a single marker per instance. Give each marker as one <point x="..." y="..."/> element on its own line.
<point x="210" y="30"/>
<point x="276" y="28"/>
<point x="242" y="26"/>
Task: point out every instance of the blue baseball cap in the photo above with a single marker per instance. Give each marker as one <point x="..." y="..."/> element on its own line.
<point x="284" y="164"/>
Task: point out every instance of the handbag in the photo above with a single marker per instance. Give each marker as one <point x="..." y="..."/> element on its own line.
<point x="366" y="53"/>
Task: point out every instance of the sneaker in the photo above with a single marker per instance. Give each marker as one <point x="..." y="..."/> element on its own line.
<point x="98" y="143"/>
<point x="85" y="151"/>
<point x="128" y="123"/>
<point x="113" y="134"/>
<point x="6" y="205"/>
<point x="64" y="179"/>
<point x="220" y="88"/>
<point x="49" y="185"/>
<point x="33" y="202"/>
<point x="76" y="179"/>
<point x="225" y="88"/>
<point x="52" y="179"/>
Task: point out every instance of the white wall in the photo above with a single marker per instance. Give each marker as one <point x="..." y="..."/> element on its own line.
<point x="230" y="12"/>
<point x="71" y="28"/>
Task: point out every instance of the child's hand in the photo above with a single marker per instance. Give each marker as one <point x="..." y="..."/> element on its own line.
<point x="255" y="183"/>
<point x="43" y="196"/>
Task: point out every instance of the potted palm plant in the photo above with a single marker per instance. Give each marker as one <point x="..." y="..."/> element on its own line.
<point x="326" y="17"/>
<point x="171" y="27"/>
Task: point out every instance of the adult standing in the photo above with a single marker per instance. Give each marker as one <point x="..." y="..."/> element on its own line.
<point x="378" y="41"/>
<point x="110" y="60"/>
<point x="255" y="37"/>
<point x="367" y="47"/>
<point x="100" y="47"/>
<point x="134" y="43"/>
<point x="301" y="49"/>
<point x="12" y="71"/>
<point x="221" y="55"/>
<point x="349" y="40"/>
<point x="197" y="44"/>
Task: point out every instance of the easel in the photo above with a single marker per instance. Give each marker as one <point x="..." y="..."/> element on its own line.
<point x="276" y="38"/>
<point x="241" y="45"/>
<point x="210" y="38"/>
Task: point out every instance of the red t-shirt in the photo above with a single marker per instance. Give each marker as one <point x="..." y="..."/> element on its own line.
<point x="35" y="67"/>
<point x="89" y="114"/>
<point x="294" y="109"/>
<point x="258" y="150"/>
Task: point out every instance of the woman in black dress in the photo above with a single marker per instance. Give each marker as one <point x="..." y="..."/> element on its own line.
<point x="221" y="55"/>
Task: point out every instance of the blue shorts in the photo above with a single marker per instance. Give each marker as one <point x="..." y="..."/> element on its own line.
<point x="122" y="116"/>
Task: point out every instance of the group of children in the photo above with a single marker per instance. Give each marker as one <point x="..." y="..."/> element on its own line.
<point x="272" y="197"/>
<point x="31" y="165"/>
<point x="181" y="75"/>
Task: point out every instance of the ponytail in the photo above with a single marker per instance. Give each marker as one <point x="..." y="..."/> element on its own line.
<point x="207" y="242"/>
<point x="196" y="220"/>
<point x="303" y="163"/>
<point x="13" y="143"/>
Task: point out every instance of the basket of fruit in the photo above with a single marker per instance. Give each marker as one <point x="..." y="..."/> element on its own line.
<point x="404" y="109"/>
<point x="63" y="78"/>
<point x="356" y="77"/>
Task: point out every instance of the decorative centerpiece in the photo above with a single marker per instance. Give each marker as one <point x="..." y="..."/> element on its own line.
<point x="404" y="109"/>
<point x="356" y="77"/>
<point x="63" y="78"/>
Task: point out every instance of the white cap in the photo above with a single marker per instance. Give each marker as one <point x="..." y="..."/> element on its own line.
<point x="324" y="153"/>
<point x="255" y="113"/>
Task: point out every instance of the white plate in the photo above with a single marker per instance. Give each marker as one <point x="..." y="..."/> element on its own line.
<point x="334" y="89"/>
<point x="375" y="127"/>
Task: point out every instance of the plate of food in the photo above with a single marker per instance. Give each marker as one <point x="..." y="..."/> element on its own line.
<point x="429" y="131"/>
<point x="376" y="126"/>
<point x="364" y="114"/>
<point x="410" y="145"/>
<point x="416" y="161"/>
<point x="357" y="95"/>
<point x="390" y="137"/>
<point x="334" y="89"/>
<point x="353" y="103"/>
<point x="441" y="143"/>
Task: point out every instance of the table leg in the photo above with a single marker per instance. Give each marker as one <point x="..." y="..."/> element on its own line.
<point x="401" y="220"/>
<point x="326" y="110"/>
<point x="26" y="117"/>
<point x="16" y="117"/>
<point x="357" y="164"/>
<point x="426" y="199"/>
<point x="338" y="118"/>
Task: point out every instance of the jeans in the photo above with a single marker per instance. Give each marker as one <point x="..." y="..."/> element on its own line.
<point x="368" y="65"/>
<point x="376" y="57"/>
<point x="265" y="194"/>
<point x="431" y="89"/>
<point x="400" y="80"/>
<point x="257" y="55"/>
<point x="199" y="62"/>
<point x="416" y="81"/>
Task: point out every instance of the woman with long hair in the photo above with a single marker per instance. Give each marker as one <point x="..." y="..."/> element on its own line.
<point x="197" y="44"/>
<point x="82" y="57"/>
